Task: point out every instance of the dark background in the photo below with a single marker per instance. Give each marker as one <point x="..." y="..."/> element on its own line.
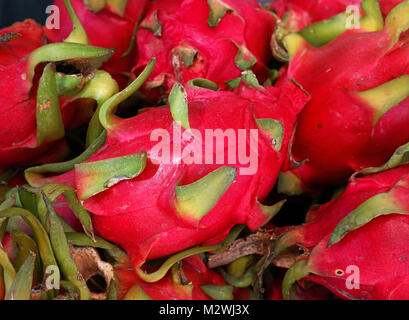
<point x="18" y="10"/>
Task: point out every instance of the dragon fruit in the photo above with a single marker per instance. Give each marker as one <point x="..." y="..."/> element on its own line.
<point x="190" y="202"/>
<point x="16" y="42"/>
<point x="315" y="11"/>
<point x="310" y="12"/>
<point x="182" y="283"/>
<point x="353" y="236"/>
<point x="19" y="40"/>
<point x="358" y="111"/>
<point x="306" y="17"/>
<point x="322" y="221"/>
<point x="36" y="97"/>
<point x="321" y="21"/>
<point x="109" y="24"/>
<point x="215" y="40"/>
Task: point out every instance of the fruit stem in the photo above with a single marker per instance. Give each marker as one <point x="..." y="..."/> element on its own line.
<point x="298" y="271"/>
<point x="78" y="34"/>
<point x="106" y="114"/>
<point x="161" y="272"/>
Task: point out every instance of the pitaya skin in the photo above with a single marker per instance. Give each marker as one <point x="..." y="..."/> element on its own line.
<point x="299" y="14"/>
<point x="195" y="271"/>
<point x="186" y="47"/>
<point x="106" y="28"/>
<point x="152" y="227"/>
<point x="365" y="228"/>
<point x="326" y="218"/>
<point x="320" y="22"/>
<point x="28" y="36"/>
<point x="19" y="79"/>
<point x="16" y="92"/>
<point x="345" y="127"/>
<point x="304" y="13"/>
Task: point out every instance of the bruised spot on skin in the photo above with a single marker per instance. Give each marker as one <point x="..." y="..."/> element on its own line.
<point x="9" y="36"/>
<point x="45" y="106"/>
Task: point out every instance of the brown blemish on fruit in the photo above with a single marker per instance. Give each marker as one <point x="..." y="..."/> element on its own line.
<point x="9" y="36"/>
<point x="45" y="106"/>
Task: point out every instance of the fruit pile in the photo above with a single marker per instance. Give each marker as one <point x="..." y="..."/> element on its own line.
<point x="206" y="149"/>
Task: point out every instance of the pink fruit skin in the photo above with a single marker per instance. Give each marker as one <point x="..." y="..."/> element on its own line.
<point x="2" y="290"/>
<point x="336" y="116"/>
<point x="30" y="38"/>
<point x="184" y="25"/>
<point x="327" y="217"/>
<point x="105" y="29"/>
<point x="305" y="13"/>
<point x="375" y="248"/>
<point x="18" y="101"/>
<point x="148" y="227"/>
<point x="195" y="270"/>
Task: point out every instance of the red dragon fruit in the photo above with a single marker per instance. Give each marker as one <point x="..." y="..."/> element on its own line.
<point x="321" y="21"/>
<point x="109" y="24"/>
<point x="355" y="241"/>
<point x="316" y="11"/>
<point x="181" y="283"/>
<point x="192" y="198"/>
<point x="312" y="11"/>
<point x="16" y="42"/>
<point x="213" y="39"/>
<point x="36" y="97"/>
<point x="358" y="111"/>
<point x="19" y="40"/>
<point x="322" y="221"/>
